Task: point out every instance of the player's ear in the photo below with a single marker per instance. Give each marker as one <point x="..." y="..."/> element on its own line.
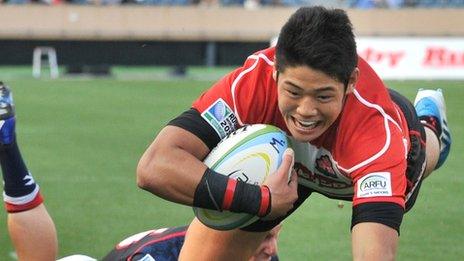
<point x="353" y="80"/>
<point x="274" y="74"/>
<point x="274" y="70"/>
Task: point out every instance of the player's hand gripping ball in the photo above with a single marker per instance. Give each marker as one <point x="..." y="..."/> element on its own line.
<point x="249" y="154"/>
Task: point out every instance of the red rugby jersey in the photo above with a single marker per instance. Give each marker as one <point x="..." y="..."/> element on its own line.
<point x="361" y="157"/>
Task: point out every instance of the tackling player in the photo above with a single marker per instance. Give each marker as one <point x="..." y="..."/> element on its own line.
<point x="165" y="245"/>
<point x="31" y="229"/>
<point x="353" y="139"/>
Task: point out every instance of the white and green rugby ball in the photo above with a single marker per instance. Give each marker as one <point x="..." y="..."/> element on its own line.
<point x="249" y="154"/>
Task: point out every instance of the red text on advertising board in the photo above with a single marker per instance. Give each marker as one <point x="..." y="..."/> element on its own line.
<point x="443" y="57"/>
<point x="392" y="58"/>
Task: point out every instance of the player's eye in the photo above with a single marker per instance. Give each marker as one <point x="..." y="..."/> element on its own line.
<point x="292" y="93"/>
<point x="324" y="98"/>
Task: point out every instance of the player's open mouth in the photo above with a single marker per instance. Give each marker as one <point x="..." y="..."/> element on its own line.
<point x="305" y="125"/>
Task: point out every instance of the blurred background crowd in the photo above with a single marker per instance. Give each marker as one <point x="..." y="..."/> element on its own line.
<point x="362" y="4"/>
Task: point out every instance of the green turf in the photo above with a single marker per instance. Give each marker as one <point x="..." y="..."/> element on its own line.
<point x="82" y="138"/>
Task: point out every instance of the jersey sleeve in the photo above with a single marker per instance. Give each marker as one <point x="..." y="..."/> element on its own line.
<point x="383" y="179"/>
<point x="216" y="106"/>
<point x="373" y="145"/>
<point x="241" y="97"/>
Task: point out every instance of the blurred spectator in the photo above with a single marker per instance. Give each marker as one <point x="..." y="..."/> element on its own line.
<point x="410" y="3"/>
<point x="232" y="2"/>
<point x="253" y="4"/>
<point x="20" y="2"/>
<point x="107" y="2"/>
<point x="208" y="2"/>
<point x="330" y="3"/>
<point x="394" y="3"/>
<point x="368" y="4"/>
<point x="325" y="3"/>
<point x="439" y="3"/>
<point x="162" y="2"/>
<point x="17" y="2"/>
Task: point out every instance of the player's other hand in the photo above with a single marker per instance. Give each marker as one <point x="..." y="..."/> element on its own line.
<point x="283" y="186"/>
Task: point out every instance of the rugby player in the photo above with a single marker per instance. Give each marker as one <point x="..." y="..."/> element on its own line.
<point x="165" y="244"/>
<point x="353" y="139"/>
<point x="30" y="227"/>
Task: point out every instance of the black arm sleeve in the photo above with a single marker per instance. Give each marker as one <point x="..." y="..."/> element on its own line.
<point x="192" y="121"/>
<point x="389" y="214"/>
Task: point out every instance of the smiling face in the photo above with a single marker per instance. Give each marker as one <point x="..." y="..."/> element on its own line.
<point x="310" y="101"/>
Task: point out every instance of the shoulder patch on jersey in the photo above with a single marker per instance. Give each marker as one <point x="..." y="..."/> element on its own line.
<point x="221" y="117"/>
<point x="377" y="184"/>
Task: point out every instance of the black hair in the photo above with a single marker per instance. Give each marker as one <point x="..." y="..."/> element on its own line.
<point x="319" y="38"/>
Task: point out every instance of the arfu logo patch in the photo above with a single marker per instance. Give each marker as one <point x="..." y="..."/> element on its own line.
<point x="221" y="118"/>
<point x="377" y="184"/>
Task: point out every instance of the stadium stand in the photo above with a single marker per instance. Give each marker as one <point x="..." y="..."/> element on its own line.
<point x="253" y="4"/>
<point x="151" y="35"/>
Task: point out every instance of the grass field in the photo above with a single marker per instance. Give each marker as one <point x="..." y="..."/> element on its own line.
<point x="82" y="138"/>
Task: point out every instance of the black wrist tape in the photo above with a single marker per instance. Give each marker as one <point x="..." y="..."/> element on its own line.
<point x="210" y="194"/>
<point x="247" y="198"/>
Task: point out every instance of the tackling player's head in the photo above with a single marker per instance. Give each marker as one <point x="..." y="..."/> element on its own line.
<point x="268" y="247"/>
<point x="319" y="38"/>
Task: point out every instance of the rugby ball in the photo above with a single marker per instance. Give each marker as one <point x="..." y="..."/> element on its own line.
<point x="249" y="154"/>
